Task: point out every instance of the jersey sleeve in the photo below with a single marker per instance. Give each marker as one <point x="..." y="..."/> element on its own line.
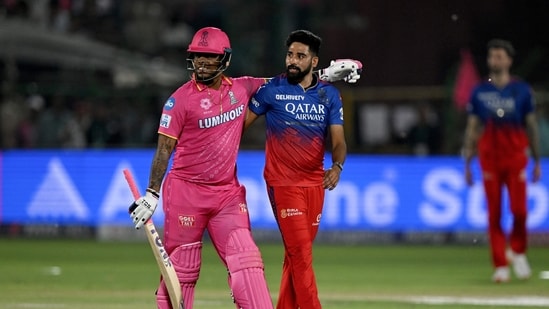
<point x="472" y="105"/>
<point x="530" y="100"/>
<point x="259" y="103"/>
<point x="252" y="83"/>
<point x="336" y="109"/>
<point x="172" y="119"/>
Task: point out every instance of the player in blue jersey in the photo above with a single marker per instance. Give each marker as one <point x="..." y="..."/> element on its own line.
<point x="502" y="126"/>
<point x="300" y="112"/>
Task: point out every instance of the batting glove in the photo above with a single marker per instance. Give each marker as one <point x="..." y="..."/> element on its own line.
<point x="342" y="69"/>
<point x="142" y="209"/>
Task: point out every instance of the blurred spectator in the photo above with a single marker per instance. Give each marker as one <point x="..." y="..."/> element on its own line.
<point x="424" y="136"/>
<point x="143" y="30"/>
<point x="27" y="130"/>
<point x="543" y="125"/>
<point x="40" y="12"/>
<point x="10" y="115"/>
<point x="57" y="127"/>
<point x="105" y="129"/>
<point x="61" y="15"/>
<point x="16" y="8"/>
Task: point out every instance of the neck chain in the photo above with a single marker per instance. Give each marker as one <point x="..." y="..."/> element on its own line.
<point x="220" y="103"/>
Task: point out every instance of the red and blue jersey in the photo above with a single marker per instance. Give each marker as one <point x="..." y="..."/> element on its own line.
<point x="503" y="115"/>
<point x="297" y="123"/>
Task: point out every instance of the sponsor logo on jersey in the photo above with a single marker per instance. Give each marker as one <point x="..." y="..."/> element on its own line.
<point x="233" y="98"/>
<point x="186" y="220"/>
<point x="170" y="103"/>
<point x="165" y="121"/>
<point x="290" y="212"/>
<point x="214" y="121"/>
<point x="498" y="105"/>
<point x="206" y="103"/>
<point x="306" y="111"/>
<point x="243" y="208"/>
<point x="317" y="222"/>
<point x="287" y="97"/>
<point x="255" y="103"/>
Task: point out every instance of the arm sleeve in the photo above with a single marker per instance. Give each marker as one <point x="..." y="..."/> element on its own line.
<point x="259" y="103"/>
<point x="336" y="108"/>
<point x="472" y="104"/>
<point x="530" y="101"/>
<point x="172" y="119"/>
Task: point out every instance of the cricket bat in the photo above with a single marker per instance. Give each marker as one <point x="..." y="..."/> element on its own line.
<point x="161" y="256"/>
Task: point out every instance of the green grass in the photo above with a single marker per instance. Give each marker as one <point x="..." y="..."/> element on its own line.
<point x="124" y="275"/>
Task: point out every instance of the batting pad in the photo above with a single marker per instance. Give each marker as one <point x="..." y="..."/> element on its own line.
<point x="186" y="261"/>
<point x="246" y="275"/>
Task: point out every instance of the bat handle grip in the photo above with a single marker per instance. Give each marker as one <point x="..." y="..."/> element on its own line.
<point x="131" y="182"/>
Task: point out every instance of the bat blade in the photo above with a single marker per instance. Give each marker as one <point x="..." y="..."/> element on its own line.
<point x="161" y="256"/>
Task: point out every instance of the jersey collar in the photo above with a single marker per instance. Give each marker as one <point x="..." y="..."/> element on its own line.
<point x="224" y="81"/>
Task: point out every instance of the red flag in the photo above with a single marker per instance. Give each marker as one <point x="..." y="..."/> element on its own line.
<point x="466" y="79"/>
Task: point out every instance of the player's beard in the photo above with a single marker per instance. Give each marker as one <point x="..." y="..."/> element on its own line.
<point x="495" y="69"/>
<point x="297" y="77"/>
<point x="206" y="75"/>
<point x="206" y="78"/>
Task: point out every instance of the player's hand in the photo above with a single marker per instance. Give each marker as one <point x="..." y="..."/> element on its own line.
<point x="348" y="70"/>
<point x="331" y="178"/>
<point x="142" y="209"/>
<point x="468" y="176"/>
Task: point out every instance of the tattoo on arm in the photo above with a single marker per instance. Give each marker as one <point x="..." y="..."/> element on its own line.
<point x="161" y="158"/>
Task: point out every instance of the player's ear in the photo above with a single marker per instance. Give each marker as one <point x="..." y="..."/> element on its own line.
<point x="315" y="61"/>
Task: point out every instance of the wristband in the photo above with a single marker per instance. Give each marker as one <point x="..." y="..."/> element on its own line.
<point x="338" y="164"/>
<point x="153" y="192"/>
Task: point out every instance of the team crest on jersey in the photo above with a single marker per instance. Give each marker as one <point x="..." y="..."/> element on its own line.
<point x="170" y="103"/>
<point x="165" y="121"/>
<point x="243" y="208"/>
<point x="186" y="220"/>
<point x="206" y="103"/>
<point x="323" y="97"/>
<point x="233" y="98"/>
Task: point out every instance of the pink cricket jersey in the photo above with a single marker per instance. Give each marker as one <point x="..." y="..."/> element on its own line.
<point x="207" y="125"/>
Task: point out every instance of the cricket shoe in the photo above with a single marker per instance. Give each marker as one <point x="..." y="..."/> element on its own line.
<point x="521" y="267"/>
<point x="501" y="275"/>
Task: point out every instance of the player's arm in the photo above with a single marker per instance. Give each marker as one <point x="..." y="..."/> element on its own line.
<point x="257" y="106"/>
<point x="250" y="118"/>
<point x="339" y="153"/>
<point x="472" y="130"/>
<point x="533" y="139"/>
<point x="339" y="146"/>
<point x="143" y="208"/>
<point x="164" y="150"/>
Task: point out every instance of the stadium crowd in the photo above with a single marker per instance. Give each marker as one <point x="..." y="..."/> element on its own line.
<point x="34" y="117"/>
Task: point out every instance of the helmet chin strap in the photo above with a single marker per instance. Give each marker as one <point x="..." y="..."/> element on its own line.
<point x="209" y="80"/>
